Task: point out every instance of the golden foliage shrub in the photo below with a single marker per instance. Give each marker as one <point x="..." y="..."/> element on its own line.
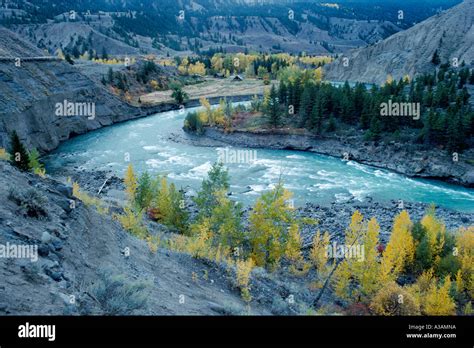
<point x="243" y="271"/>
<point x="89" y="200"/>
<point x="392" y="299"/>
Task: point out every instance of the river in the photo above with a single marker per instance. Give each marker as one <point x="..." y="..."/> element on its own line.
<point x="311" y="177"/>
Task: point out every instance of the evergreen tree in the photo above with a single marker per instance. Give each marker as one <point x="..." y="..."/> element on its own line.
<point x="317" y="117"/>
<point x="306" y="106"/>
<point x="436" y="60"/>
<point x="471" y="78"/>
<point x="454" y="133"/>
<point x="375" y="129"/>
<point x="331" y="127"/>
<point x="179" y="95"/>
<point x="365" y="117"/>
<point x="110" y="75"/>
<point x="272" y="109"/>
<point x="226" y="221"/>
<point x="217" y="180"/>
<point x="19" y="155"/>
<point x="34" y="163"/>
<point x="283" y="93"/>
<point x="428" y="127"/>
<point x="144" y="191"/>
<point x="68" y="59"/>
<point x="178" y="217"/>
<point x="105" y="55"/>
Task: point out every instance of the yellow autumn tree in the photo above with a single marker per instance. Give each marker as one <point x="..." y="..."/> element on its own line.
<point x="243" y="272"/>
<point x="131" y="184"/>
<point x="354" y="233"/>
<point x="421" y="286"/>
<point x="154" y="84"/>
<point x="370" y="270"/>
<point x="350" y="269"/>
<point x="465" y="253"/>
<point x="459" y="282"/>
<point x="318" y="74"/>
<point x="217" y="62"/>
<point x="197" y="69"/>
<point x="436" y="234"/>
<point x="131" y="221"/>
<point x="183" y="67"/>
<point x="59" y="52"/>
<point x="219" y="114"/>
<point x="4" y="154"/>
<point x="342" y="278"/>
<point x="268" y="231"/>
<point x="207" y="110"/>
<point x="400" y="250"/>
<point x="293" y="251"/>
<point x="468" y="309"/>
<point x="355" y="236"/>
<point x="199" y="245"/>
<point x="319" y="252"/>
<point x="89" y="200"/>
<point x="438" y="301"/>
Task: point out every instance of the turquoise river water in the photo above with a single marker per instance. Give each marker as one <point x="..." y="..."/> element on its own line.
<point x="311" y="177"/>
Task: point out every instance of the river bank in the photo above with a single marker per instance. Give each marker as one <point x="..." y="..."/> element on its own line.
<point x="333" y="217"/>
<point x="403" y="158"/>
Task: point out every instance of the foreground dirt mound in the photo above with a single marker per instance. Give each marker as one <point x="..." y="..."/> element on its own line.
<point x="82" y="265"/>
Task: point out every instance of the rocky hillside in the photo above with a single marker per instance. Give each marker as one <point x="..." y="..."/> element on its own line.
<point x="30" y="93"/>
<point x="233" y="33"/>
<point x="53" y="36"/>
<point x="81" y="252"/>
<point x="120" y="28"/>
<point x="450" y="34"/>
<point x="336" y="35"/>
<point x="82" y="262"/>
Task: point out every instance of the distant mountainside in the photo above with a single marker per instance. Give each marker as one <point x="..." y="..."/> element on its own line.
<point x="449" y="35"/>
<point x="167" y="26"/>
<point x="12" y="46"/>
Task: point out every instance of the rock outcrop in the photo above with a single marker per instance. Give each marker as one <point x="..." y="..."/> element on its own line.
<point x="31" y="91"/>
